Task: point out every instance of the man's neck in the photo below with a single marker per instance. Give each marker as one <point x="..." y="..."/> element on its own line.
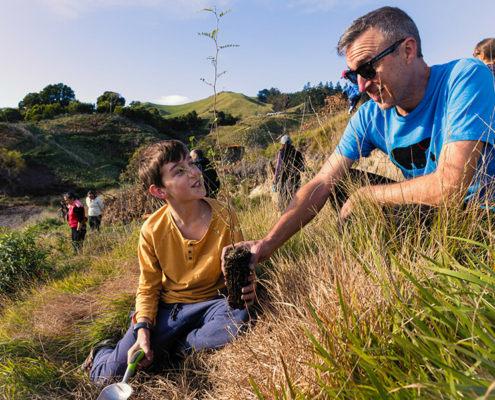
<point x="417" y="89"/>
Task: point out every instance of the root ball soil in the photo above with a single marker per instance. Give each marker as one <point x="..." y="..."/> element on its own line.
<point x="236" y="275"/>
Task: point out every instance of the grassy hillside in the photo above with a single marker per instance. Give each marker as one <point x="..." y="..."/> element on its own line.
<point x="234" y="103"/>
<point x="84" y="151"/>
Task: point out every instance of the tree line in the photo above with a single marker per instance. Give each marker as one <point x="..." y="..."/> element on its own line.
<point x="59" y="99"/>
<point x="317" y="93"/>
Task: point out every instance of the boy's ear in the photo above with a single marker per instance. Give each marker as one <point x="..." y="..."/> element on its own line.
<point x="159" y="192"/>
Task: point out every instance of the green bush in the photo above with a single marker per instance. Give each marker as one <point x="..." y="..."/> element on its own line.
<point x="23" y="259"/>
<point x="49" y="223"/>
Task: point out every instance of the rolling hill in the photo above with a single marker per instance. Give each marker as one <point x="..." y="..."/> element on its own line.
<point x="236" y="104"/>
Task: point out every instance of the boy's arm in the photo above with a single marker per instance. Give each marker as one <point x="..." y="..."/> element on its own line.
<point x="147" y="297"/>
<point x="150" y="281"/>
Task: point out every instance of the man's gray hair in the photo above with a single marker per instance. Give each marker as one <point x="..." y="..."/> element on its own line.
<point x="392" y="23"/>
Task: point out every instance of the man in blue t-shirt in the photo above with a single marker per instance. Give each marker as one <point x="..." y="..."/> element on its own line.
<point x="435" y="124"/>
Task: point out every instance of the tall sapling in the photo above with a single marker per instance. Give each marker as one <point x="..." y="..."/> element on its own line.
<point x="237" y="259"/>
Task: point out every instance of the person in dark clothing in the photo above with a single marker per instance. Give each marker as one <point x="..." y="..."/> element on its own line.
<point x="63" y="210"/>
<point x="77" y="219"/>
<point x="210" y="176"/>
<point x="290" y="164"/>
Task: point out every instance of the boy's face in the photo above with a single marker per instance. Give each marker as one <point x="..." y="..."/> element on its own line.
<point x="181" y="181"/>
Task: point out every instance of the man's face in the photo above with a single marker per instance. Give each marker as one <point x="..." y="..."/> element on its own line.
<point x="388" y="87"/>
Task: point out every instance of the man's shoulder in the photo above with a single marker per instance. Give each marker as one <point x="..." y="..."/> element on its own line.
<point x="456" y="69"/>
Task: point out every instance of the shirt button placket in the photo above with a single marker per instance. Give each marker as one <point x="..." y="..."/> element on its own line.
<point x="190" y="251"/>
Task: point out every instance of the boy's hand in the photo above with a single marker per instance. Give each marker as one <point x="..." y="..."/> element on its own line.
<point x="249" y="292"/>
<point x="142" y="342"/>
<point x="259" y="253"/>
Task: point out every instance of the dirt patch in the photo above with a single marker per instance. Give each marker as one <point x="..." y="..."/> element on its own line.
<point x="12" y="215"/>
<point x="34" y="181"/>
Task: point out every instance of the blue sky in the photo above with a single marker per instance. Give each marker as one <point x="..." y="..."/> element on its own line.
<point x="150" y="50"/>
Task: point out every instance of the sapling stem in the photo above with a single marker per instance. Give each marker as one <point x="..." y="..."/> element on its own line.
<point x="214" y="36"/>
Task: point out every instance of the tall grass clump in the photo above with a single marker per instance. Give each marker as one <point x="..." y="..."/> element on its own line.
<point x="23" y="259"/>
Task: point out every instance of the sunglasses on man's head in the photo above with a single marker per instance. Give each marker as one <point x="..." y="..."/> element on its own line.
<point x="366" y="70"/>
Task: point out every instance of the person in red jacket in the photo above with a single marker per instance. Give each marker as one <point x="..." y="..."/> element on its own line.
<point x="77" y="219"/>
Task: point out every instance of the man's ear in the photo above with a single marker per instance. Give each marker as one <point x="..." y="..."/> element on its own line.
<point x="410" y="50"/>
<point x="159" y="192"/>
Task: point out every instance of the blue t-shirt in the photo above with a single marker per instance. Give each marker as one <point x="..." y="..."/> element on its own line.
<point x="459" y="104"/>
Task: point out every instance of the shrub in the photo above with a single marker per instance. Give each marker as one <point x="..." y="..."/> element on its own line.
<point x="77" y="107"/>
<point x="10" y="115"/>
<point x="44" y="111"/>
<point x="22" y="259"/>
<point x="11" y="162"/>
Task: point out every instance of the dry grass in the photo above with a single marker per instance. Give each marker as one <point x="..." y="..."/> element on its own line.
<point x="345" y="273"/>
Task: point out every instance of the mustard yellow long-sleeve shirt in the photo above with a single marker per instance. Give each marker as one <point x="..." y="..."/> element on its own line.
<point x="178" y="270"/>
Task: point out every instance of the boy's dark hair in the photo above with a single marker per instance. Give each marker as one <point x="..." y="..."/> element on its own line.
<point x="155" y="156"/>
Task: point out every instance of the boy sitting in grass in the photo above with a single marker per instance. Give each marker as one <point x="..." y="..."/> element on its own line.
<point x="181" y="300"/>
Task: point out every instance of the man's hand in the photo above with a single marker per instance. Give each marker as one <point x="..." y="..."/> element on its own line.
<point x="352" y="202"/>
<point x="142" y="342"/>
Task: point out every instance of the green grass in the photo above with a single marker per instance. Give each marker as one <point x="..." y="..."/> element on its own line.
<point x="236" y="104"/>
<point x="360" y="311"/>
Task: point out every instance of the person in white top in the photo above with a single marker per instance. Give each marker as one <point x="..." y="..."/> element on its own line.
<point x="95" y="207"/>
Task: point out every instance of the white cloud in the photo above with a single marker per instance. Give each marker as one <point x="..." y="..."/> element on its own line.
<point x="172" y="100"/>
<point x="181" y="8"/>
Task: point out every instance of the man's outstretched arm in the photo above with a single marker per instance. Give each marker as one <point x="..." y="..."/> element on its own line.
<point x="307" y="202"/>
<point x="456" y="167"/>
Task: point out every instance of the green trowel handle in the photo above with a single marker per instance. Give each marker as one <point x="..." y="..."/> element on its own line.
<point x="131" y="368"/>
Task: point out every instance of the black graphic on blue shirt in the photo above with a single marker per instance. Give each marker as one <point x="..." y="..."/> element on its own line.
<point x="414" y="156"/>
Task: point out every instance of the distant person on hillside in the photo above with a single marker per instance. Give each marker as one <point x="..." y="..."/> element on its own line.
<point x="95" y="207"/>
<point x="181" y="302"/>
<point x="63" y="210"/>
<point x="77" y="219"/>
<point x="210" y="176"/>
<point x="353" y="94"/>
<point x="485" y="52"/>
<point x="435" y="123"/>
<point x="290" y="164"/>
